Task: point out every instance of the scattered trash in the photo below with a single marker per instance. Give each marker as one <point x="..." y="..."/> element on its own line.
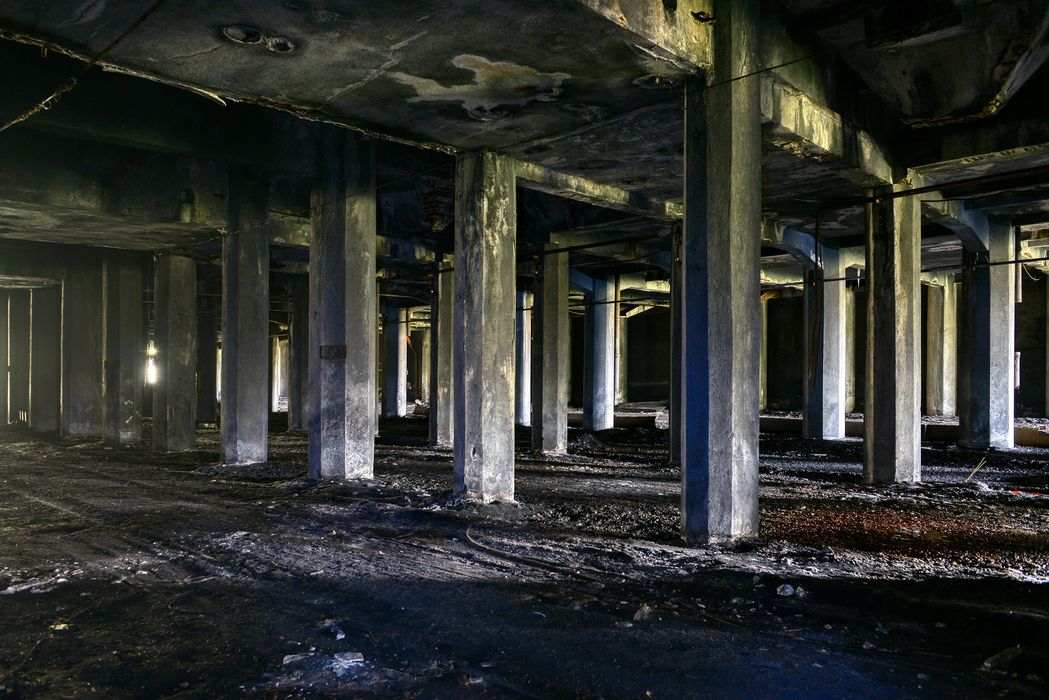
<point x="643" y="613"/>
<point x="345" y="662"/>
<point x="623" y="624"/>
<point x="785" y="590"/>
<point x="1002" y="660"/>
<point x="60" y="626"/>
<point x="293" y="658"/>
<point x="333" y="629"/>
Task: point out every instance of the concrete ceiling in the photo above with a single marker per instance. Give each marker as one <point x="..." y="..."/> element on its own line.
<point x="554" y="83"/>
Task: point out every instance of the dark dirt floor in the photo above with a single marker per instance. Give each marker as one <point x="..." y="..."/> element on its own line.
<point x="128" y="574"/>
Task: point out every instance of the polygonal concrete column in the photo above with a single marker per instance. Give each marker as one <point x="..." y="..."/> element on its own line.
<point x="207" y="355"/>
<point x="599" y="408"/>
<point x="343" y="413"/>
<point x="395" y="361"/>
<point x="485" y="273"/>
<point x="523" y="360"/>
<point x="125" y="358"/>
<point x="941" y="369"/>
<point x="299" y="362"/>
<point x="720" y="286"/>
<point x="551" y="363"/>
<point x="245" y="322"/>
<point x="763" y="374"/>
<point x="677" y="349"/>
<point x="985" y="387"/>
<point x="622" y="366"/>
<point x="422" y="359"/>
<point x="45" y="359"/>
<point x="824" y="390"/>
<point x="892" y="406"/>
<point x="175" y="393"/>
<point x="442" y="358"/>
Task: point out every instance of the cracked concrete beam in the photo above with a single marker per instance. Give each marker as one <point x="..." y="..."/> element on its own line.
<point x="969" y="225"/>
<point x="798" y="123"/>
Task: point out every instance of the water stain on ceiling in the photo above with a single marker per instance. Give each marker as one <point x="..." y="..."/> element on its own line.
<point x="496" y="85"/>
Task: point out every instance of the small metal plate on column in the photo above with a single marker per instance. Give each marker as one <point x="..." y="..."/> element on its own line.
<point x="333" y="352"/>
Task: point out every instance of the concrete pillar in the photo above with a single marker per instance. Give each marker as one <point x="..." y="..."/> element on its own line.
<point x="298" y="362"/>
<point x="551" y="362"/>
<point x="4" y="357"/>
<point x="174" y="394"/>
<point x="985" y="386"/>
<point x="245" y="374"/>
<point x="82" y="321"/>
<point x="485" y="276"/>
<point x="343" y="302"/>
<point x="850" y="350"/>
<point x="677" y="349"/>
<point x="18" y="355"/>
<point x="395" y="361"/>
<point x="720" y="285"/>
<point x="422" y="362"/>
<point x="600" y="359"/>
<point x="892" y="406"/>
<point x="442" y="358"/>
<point x="45" y="359"/>
<point x="824" y="324"/>
<point x="941" y="347"/>
<point x="523" y="358"/>
<point x="207" y="357"/>
<point x="622" y="365"/>
<point x="125" y="349"/>
<point x="763" y="373"/>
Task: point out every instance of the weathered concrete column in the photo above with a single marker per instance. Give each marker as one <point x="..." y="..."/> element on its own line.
<point x="343" y="303"/>
<point x="442" y="358"/>
<point x="721" y="286"/>
<point x="245" y="371"/>
<point x="523" y="358"/>
<point x="175" y="393"/>
<point x="125" y="354"/>
<point x="987" y="332"/>
<point x="4" y="357"/>
<point x="763" y="373"/>
<point x="622" y="366"/>
<point x="207" y="358"/>
<point x="941" y="348"/>
<point x="422" y="359"/>
<point x="677" y="349"/>
<point x="82" y="321"/>
<point x="395" y="361"/>
<point x="485" y="275"/>
<point x="600" y="358"/>
<point x="824" y="324"/>
<point x="850" y="350"/>
<point x="45" y="359"/>
<point x="551" y="362"/>
<point x="892" y="406"/>
<point x="18" y="355"/>
<point x="299" y="361"/>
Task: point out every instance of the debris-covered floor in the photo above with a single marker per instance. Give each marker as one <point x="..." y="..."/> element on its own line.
<point x="127" y="574"/>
